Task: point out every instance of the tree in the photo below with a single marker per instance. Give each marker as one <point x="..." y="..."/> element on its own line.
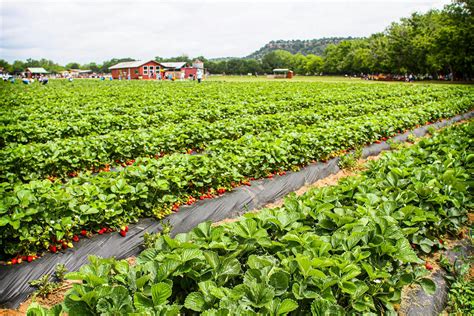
<point x="18" y="66"/>
<point x="73" y="65"/>
<point x="314" y="64"/>
<point x="6" y="66"/>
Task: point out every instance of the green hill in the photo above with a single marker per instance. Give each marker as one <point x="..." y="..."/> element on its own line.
<point x="305" y="47"/>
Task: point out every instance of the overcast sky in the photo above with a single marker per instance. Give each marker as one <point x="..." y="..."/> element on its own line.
<point x="97" y="30"/>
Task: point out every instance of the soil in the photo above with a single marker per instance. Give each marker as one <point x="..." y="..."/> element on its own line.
<point x="55" y="297"/>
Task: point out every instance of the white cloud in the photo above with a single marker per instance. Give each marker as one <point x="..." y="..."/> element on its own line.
<point x="95" y="30"/>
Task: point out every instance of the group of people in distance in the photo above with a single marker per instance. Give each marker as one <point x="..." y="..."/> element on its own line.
<point x="182" y="76"/>
<point x="41" y="79"/>
<point x="44" y="80"/>
<point x="167" y="76"/>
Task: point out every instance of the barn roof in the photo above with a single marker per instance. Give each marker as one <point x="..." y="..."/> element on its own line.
<point x="175" y="65"/>
<point x="131" y="64"/>
<point x="36" y="70"/>
<point x="80" y="70"/>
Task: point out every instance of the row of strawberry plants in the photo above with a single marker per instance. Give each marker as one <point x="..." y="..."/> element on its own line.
<point x="338" y="250"/>
<point x="85" y="100"/>
<point x="48" y="129"/>
<point x="56" y="115"/>
<point x="33" y="213"/>
<point x="36" y="161"/>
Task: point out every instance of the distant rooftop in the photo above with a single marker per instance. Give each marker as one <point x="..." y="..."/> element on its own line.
<point x="174" y="65"/>
<point x="36" y="70"/>
<point x="130" y="64"/>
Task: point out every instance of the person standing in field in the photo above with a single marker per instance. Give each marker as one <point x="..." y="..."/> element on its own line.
<point x="199" y="75"/>
<point x="181" y="76"/>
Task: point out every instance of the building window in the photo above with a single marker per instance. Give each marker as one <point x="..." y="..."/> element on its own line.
<point x="145" y="70"/>
<point x="152" y="68"/>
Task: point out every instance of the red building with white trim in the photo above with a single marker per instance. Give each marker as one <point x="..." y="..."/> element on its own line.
<point x="136" y="70"/>
<point x="150" y="69"/>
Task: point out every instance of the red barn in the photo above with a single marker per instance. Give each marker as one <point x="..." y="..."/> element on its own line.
<point x="136" y="70"/>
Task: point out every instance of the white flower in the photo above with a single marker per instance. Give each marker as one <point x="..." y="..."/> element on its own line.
<point x="377" y="281"/>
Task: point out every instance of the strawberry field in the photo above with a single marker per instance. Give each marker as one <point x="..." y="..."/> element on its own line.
<point x="347" y="249"/>
<point x="87" y="157"/>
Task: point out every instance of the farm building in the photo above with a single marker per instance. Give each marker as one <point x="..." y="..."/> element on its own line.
<point x="149" y="69"/>
<point x="176" y="68"/>
<point x="136" y="69"/>
<point x="35" y="71"/>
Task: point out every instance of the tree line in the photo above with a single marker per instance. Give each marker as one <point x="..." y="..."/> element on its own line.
<point x="437" y="42"/>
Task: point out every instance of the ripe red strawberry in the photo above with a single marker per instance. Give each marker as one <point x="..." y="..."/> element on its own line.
<point x="100" y="232"/>
<point x="29" y="258"/>
<point x="84" y="232"/>
<point x="53" y="249"/>
<point x="377" y="141"/>
<point x="202" y="197"/>
<point x="14" y="261"/>
<point x="428" y="266"/>
<point x="384" y="138"/>
<point x="23" y="258"/>
<point x="270" y="176"/>
<point x="123" y="233"/>
<point x="126" y="229"/>
<point x="75" y="238"/>
<point x="440" y="241"/>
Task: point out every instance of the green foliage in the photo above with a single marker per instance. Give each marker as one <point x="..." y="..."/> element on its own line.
<point x="411" y="138"/>
<point x="461" y="285"/>
<point x="34" y="309"/>
<point x="284" y="128"/>
<point x="349" y="161"/>
<point x="45" y="285"/>
<point x="149" y="239"/>
<point x="60" y="272"/>
<point x="343" y="249"/>
<point x="304" y="47"/>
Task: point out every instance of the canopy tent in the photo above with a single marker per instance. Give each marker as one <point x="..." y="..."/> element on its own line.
<point x="36" y="70"/>
<point x="282" y="73"/>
